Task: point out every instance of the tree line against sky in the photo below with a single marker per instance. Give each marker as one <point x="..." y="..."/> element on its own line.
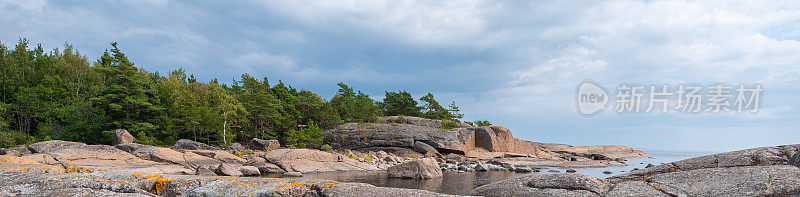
<point x="61" y="95"/>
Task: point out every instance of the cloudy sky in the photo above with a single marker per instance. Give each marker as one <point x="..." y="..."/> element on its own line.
<point x="515" y="63"/>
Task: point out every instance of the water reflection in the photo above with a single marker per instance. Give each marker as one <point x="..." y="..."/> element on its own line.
<point x="453" y="182"/>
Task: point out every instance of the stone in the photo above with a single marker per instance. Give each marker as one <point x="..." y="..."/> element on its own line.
<point x="426" y="168"/>
<point x="607" y="172"/>
<point x="15" y="151"/>
<point x="121" y="136"/>
<point x="249" y="171"/>
<point x="571" y="171"/>
<point x="221" y="155"/>
<point x="522" y="169"/>
<point x="795" y="160"/>
<point x="264" y="145"/>
<point x="204" y="171"/>
<point x="227" y="170"/>
<point x="424" y="148"/>
<point x="634" y="188"/>
<point x="381" y="155"/>
<point x="481" y="167"/>
<point x="546" y="185"/>
<point x="236" y="147"/>
<point x="308" y="160"/>
<point x="153" y="153"/>
<point x="184" y="144"/>
<point x="262" y="164"/>
<point x="649" y="165"/>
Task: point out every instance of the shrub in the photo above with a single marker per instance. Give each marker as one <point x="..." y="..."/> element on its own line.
<point x="470" y="123"/>
<point x="483" y="123"/>
<point x="308" y="137"/>
<point x="326" y="148"/>
<point x="449" y="124"/>
<point x="14" y="138"/>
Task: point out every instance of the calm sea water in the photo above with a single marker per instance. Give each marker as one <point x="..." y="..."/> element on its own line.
<point x="461" y="183"/>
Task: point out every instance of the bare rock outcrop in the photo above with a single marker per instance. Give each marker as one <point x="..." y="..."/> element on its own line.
<point x="264" y="145"/>
<point x="546" y="185"/>
<point x="184" y="144"/>
<point x="121" y="136"/>
<point x="426" y="168"/>
<point x="307" y="160"/>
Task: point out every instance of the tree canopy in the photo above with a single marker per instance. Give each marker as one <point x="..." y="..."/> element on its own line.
<point x="61" y="95"/>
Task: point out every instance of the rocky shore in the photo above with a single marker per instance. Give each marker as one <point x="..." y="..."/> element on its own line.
<point x="404" y="147"/>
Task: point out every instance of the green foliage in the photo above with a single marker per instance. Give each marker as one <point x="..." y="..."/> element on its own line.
<point x="354" y="107"/>
<point x="483" y="123"/>
<point x="432" y="110"/>
<point x="14" y="138"/>
<point x="326" y="148"/>
<point x="449" y="124"/>
<point x="470" y="123"/>
<point x="62" y="95"/>
<point x="399" y="103"/>
<point x="129" y="99"/>
<point x="307" y="137"/>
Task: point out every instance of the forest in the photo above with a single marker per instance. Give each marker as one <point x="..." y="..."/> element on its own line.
<point x="61" y="95"/>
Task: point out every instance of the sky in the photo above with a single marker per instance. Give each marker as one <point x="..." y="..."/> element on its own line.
<point x="515" y="63"/>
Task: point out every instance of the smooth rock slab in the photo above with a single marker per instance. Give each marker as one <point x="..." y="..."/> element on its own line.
<point x="426" y="168"/>
<point x="776" y="180"/>
<point x="634" y="189"/>
<point x="308" y="160"/>
<point x="546" y="185"/>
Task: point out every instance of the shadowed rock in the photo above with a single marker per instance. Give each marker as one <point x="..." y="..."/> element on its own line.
<point x="184" y="144"/>
<point x="264" y="145"/>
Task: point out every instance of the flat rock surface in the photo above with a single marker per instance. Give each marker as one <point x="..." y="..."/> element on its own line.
<point x="307" y="160"/>
<point x="776" y="180"/>
<point x="546" y="185"/>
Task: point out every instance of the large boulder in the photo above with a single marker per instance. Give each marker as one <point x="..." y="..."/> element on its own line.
<point x="426" y="168"/>
<point x="204" y="171"/>
<point x="424" y="148"/>
<point x="15" y="151"/>
<point x="264" y="145"/>
<point x="262" y="164"/>
<point x="153" y="153"/>
<point x="221" y="155"/>
<point x="546" y="185"/>
<point x="227" y="170"/>
<point x="121" y="136"/>
<point x="356" y="136"/>
<point x="307" y="160"/>
<point x="184" y="144"/>
<point x="249" y="171"/>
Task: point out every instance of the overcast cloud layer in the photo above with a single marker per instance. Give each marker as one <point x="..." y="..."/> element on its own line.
<point x="515" y="63"/>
